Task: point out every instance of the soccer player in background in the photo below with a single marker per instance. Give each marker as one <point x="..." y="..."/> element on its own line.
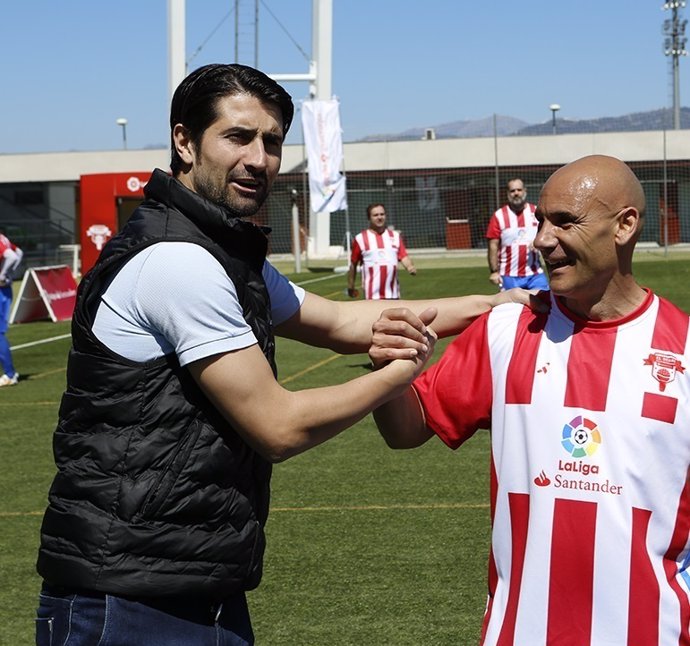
<point x="513" y="261"/>
<point x="173" y="415"/>
<point x="588" y="409"/>
<point x="10" y="257"/>
<point x="379" y="250"/>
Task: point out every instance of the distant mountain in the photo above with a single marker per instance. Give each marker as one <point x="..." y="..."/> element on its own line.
<point x="506" y="126"/>
<point x="477" y="128"/>
<point x="652" y="120"/>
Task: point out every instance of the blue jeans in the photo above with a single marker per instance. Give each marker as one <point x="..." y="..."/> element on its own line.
<point x="5" y="355"/>
<point x="93" y="619"/>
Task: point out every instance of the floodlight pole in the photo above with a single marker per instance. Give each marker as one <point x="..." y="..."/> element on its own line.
<point x="674" y="46"/>
<point x="554" y="107"/>
<point x="122" y="122"/>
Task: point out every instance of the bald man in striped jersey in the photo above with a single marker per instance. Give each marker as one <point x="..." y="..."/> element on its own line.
<point x="588" y="408"/>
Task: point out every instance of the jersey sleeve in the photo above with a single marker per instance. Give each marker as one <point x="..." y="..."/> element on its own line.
<point x="456" y="393"/>
<point x="356" y="255"/>
<point x="493" y="231"/>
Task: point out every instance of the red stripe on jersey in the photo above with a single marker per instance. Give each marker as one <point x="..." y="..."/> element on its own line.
<point x="661" y="407"/>
<point x="522" y="366"/>
<point x="644" y="595"/>
<point x="589" y="369"/>
<point x="370" y="281"/>
<point x="521" y="219"/>
<point x="507" y="259"/>
<point x="670" y="329"/>
<point x="519" y="522"/>
<point x="572" y="573"/>
<point x="379" y="240"/>
<point x="522" y="260"/>
<point x="383" y="280"/>
<point x="680" y="536"/>
<point x="365" y="239"/>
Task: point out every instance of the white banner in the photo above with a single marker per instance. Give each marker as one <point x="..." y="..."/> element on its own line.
<point x="324" y="144"/>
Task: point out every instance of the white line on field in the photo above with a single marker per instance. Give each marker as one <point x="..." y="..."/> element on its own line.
<point x="32" y="343"/>
<point x="318" y="280"/>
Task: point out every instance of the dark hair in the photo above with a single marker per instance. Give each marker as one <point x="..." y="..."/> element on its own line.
<point x="373" y="206"/>
<point x="194" y="102"/>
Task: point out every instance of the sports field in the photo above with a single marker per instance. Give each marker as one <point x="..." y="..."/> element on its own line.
<point x="365" y="545"/>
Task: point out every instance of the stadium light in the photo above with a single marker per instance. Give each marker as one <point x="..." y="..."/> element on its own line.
<point x="674" y="46"/>
<point x="123" y="122"/>
<point x="554" y="107"/>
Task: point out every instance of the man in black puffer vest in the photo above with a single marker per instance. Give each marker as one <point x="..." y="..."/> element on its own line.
<point x="172" y="414"/>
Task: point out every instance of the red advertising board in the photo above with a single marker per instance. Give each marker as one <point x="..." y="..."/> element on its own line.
<point x="45" y="293"/>
<point x="99" y="196"/>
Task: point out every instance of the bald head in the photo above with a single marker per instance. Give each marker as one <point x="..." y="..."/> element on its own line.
<point x="599" y="179"/>
<point x="590" y="214"/>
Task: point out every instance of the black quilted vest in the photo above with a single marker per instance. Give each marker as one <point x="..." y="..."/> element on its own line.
<point x="156" y="494"/>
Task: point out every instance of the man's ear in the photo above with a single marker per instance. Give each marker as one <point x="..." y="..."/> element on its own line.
<point x="183" y="144"/>
<point x="629" y="225"/>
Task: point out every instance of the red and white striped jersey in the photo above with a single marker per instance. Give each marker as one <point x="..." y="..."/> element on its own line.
<point x="515" y="233"/>
<point x="590" y="486"/>
<point x="379" y="254"/>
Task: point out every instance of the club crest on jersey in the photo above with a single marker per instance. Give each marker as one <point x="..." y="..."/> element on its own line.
<point x="664" y="367"/>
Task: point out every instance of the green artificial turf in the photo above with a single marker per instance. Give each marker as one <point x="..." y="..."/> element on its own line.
<point x="365" y="545"/>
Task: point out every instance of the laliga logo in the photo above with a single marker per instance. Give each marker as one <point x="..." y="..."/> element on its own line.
<point x="581" y="437"/>
<point x="99" y="234"/>
<point x="664" y="367"/>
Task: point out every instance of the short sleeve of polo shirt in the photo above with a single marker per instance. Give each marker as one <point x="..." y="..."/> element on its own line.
<point x="456" y="392"/>
<point x="176" y="297"/>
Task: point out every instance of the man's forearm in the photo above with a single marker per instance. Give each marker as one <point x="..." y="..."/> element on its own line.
<point x="401" y="422"/>
<point x="351" y="272"/>
<point x="354" y="334"/>
<point x="280" y="423"/>
<point x="409" y="265"/>
<point x="492" y="256"/>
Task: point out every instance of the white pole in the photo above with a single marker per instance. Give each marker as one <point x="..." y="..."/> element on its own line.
<point x="176" y="44"/>
<point x="322" y="46"/>
<point x="296" y="242"/>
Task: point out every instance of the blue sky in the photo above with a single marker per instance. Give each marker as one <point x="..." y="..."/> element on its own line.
<point x="69" y="69"/>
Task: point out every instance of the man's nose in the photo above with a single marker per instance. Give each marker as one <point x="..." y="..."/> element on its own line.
<point x="255" y="154"/>
<point x="545" y="238"/>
